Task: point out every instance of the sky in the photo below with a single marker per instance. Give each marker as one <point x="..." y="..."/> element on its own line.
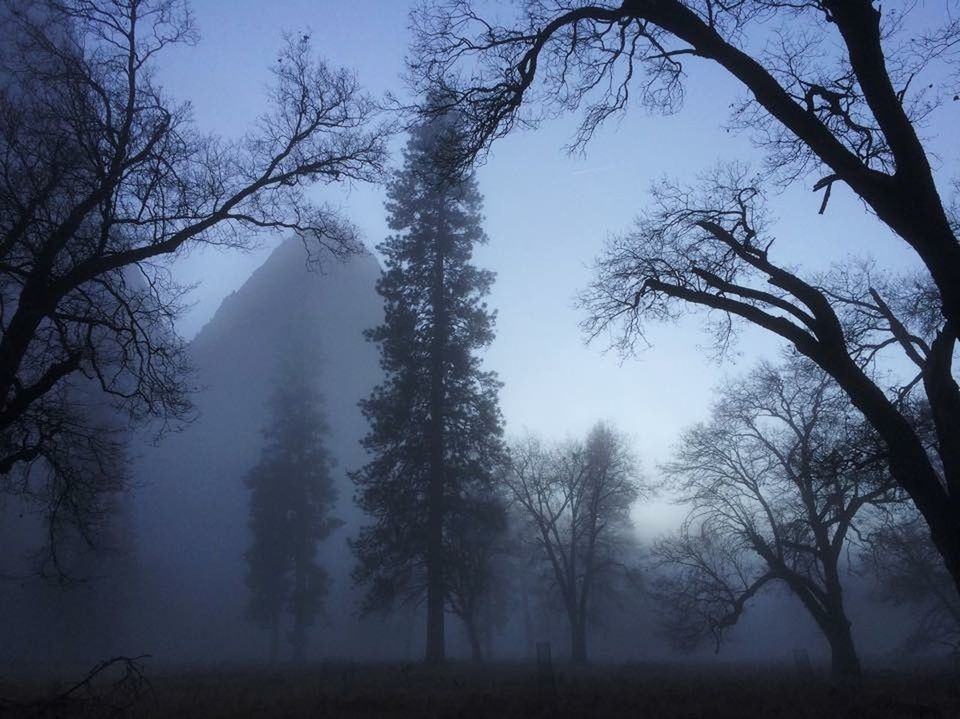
<point x="547" y="215"/>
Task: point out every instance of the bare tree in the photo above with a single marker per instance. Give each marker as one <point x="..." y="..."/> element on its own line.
<point x="103" y="177"/>
<point x="778" y="483"/>
<point x="76" y="492"/>
<point x="909" y="573"/>
<point x="836" y="89"/>
<point x="708" y="247"/>
<point x="476" y="551"/>
<point x="577" y="499"/>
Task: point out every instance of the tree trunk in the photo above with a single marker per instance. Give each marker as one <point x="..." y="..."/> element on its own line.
<point x="476" y="653"/>
<point x="578" y="642"/>
<point x="298" y="640"/>
<point x="436" y="596"/>
<point x="909" y="463"/>
<point x="436" y="590"/>
<point x="527" y="624"/>
<point x="487" y="632"/>
<point x="274" y="639"/>
<point x="303" y="552"/>
<point x="844" y="662"/>
<point x="298" y="634"/>
<point x="911" y="205"/>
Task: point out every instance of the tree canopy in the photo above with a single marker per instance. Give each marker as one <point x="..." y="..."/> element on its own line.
<point x="779" y="482"/>
<point x="575" y="501"/>
<point x="436" y="428"/>
<point x="836" y="91"/>
<point x="103" y="177"/>
<point x="292" y="498"/>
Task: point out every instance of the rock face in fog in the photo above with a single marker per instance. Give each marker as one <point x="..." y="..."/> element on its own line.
<point x="191" y="504"/>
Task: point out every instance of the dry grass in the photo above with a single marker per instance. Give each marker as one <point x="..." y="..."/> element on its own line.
<point x="504" y="691"/>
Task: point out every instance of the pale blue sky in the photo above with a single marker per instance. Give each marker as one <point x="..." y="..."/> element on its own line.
<point x="547" y="216"/>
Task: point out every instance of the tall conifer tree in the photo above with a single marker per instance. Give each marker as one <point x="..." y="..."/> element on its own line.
<point x="292" y="496"/>
<point x="435" y="424"/>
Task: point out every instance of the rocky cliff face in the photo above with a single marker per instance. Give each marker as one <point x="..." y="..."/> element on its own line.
<point x="189" y="509"/>
<point x="174" y="586"/>
<point x="191" y="505"/>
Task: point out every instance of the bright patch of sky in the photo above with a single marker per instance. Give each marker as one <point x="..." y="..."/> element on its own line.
<point x="547" y="216"/>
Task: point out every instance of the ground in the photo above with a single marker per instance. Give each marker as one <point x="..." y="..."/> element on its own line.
<point x="502" y="691"/>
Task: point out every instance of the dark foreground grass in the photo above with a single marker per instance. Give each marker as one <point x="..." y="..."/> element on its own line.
<point x="512" y="690"/>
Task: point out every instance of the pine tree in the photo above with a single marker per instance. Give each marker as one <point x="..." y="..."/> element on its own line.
<point x="435" y="422"/>
<point x="291" y="497"/>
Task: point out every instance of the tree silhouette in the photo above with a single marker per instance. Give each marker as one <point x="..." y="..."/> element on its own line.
<point x="837" y="98"/>
<point x="476" y="550"/>
<point x="102" y="179"/>
<point x="779" y="481"/>
<point x="435" y="423"/>
<point x="576" y="499"/>
<point x="909" y="573"/>
<point x="709" y="247"/>
<point x="292" y="495"/>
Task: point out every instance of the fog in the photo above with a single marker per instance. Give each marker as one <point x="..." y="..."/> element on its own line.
<point x="168" y="579"/>
<point x="584" y="351"/>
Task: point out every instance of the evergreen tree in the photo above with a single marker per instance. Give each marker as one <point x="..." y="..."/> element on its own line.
<point x="435" y="423"/>
<point x="291" y="497"/>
